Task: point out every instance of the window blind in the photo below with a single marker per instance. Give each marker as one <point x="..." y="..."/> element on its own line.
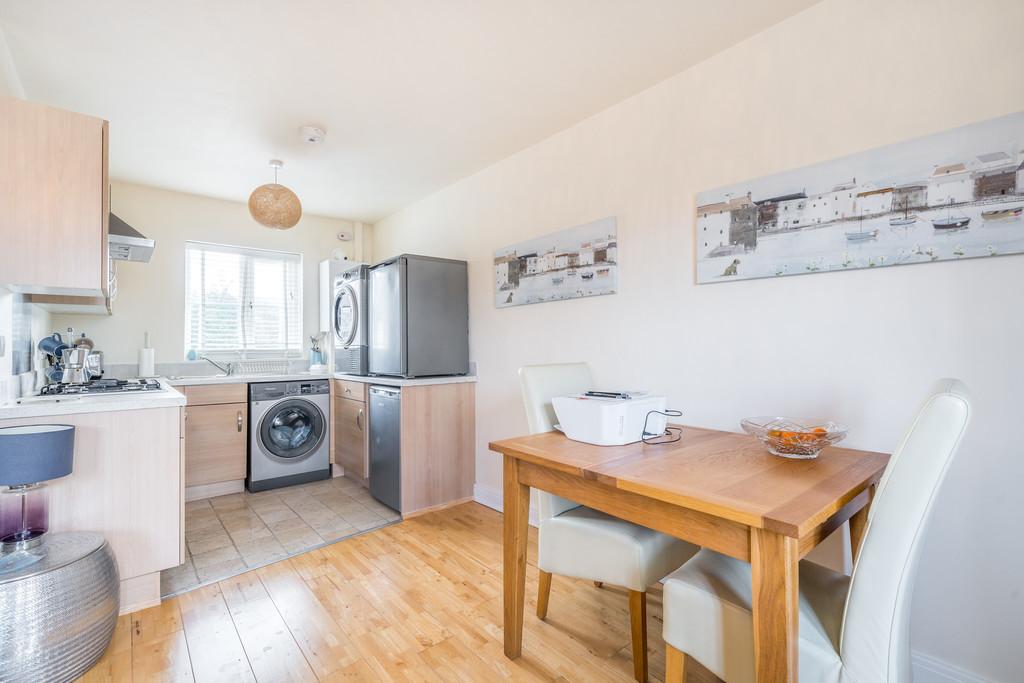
<point x="242" y="302"/>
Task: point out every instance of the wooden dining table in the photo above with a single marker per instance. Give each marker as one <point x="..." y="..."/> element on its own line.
<point x="718" y="490"/>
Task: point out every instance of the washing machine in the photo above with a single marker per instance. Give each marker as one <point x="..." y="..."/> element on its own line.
<point x="288" y="433"/>
<point x="348" y="324"/>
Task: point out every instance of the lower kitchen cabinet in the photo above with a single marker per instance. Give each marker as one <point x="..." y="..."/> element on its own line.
<point x="438" y="434"/>
<point x="215" y="443"/>
<point x="350" y="437"/>
<point x="126" y="484"/>
<point x="216" y="438"/>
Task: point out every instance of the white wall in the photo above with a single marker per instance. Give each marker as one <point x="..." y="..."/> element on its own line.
<point x="151" y="296"/>
<point x="861" y="347"/>
<point x="10" y="84"/>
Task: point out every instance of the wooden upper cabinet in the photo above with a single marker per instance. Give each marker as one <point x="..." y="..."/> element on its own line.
<point x="55" y="200"/>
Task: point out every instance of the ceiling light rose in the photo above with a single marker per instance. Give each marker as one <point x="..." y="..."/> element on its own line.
<point x="273" y="205"/>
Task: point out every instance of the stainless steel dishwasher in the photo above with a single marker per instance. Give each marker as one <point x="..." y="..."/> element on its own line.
<point x="385" y="445"/>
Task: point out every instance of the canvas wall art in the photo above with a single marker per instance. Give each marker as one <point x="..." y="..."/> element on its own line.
<point x="952" y="195"/>
<point x="568" y="264"/>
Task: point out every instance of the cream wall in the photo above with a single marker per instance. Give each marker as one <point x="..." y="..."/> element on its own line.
<point x="861" y="347"/>
<point x="151" y="296"/>
<point x="10" y="84"/>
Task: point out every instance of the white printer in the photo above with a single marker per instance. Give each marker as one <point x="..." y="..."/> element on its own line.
<point x="610" y="418"/>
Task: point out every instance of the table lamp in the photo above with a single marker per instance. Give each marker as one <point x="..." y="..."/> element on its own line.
<point x="29" y="456"/>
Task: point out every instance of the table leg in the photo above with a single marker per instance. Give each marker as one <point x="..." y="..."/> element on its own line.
<point x="859" y="524"/>
<point x="774" y="560"/>
<point x="516" y="519"/>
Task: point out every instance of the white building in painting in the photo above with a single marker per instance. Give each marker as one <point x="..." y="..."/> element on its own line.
<point x="712" y="226"/>
<point x="586" y="255"/>
<point x="950" y="184"/>
<point x="502" y="268"/>
<point x="791" y="213"/>
<point x="833" y="205"/>
<point x="873" y="201"/>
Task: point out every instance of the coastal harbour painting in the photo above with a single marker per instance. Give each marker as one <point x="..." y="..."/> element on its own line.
<point x="568" y="264"/>
<point x="953" y="195"/>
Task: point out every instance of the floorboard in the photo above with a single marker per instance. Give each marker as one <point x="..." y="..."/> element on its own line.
<point x="416" y="601"/>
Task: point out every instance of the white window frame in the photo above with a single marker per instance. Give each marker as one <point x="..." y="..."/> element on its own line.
<point x="294" y="349"/>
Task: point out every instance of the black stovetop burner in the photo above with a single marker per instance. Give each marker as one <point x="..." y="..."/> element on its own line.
<point x="101" y="386"/>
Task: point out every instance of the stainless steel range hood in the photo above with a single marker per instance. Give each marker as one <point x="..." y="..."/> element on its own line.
<point x="125" y="243"/>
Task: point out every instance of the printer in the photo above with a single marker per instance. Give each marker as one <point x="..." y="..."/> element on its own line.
<point x="610" y="418"/>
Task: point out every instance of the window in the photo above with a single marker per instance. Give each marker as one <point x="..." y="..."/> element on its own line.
<point x="242" y="302"/>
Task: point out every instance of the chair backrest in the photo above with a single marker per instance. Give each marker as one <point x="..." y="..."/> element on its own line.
<point x="875" y="641"/>
<point x="541" y="383"/>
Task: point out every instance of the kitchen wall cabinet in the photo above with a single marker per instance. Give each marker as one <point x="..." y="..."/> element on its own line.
<point x="349" y="429"/>
<point x="54" y="190"/>
<point x="216" y="439"/>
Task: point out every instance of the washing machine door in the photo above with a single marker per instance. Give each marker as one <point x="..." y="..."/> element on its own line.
<point x="292" y="429"/>
<point x="346" y="315"/>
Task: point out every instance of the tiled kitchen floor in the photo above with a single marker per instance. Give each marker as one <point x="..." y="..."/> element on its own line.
<point x="231" y="534"/>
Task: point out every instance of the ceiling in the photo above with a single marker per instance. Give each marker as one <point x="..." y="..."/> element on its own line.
<point x="414" y="95"/>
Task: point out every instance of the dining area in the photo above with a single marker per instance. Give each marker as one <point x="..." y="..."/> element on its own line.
<point x="724" y="522"/>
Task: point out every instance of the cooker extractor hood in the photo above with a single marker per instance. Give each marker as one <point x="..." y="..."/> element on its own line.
<point x="125" y="243"/>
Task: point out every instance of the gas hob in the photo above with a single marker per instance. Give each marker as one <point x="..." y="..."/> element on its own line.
<point x="102" y="387"/>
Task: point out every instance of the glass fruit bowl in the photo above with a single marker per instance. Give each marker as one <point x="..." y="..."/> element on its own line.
<point x="794" y="437"/>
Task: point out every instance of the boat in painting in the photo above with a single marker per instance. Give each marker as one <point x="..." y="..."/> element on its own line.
<point x="951" y="222"/>
<point x="1003" y="214"/>
<point x="861" y="236"/>
<point x="587" y="274"/>
<point x="906" y="219"/>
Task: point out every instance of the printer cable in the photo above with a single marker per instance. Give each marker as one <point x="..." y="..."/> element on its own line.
<point x="675" y="433"/>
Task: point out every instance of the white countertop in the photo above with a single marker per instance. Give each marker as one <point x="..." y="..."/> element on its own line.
<point x="45" y="406"/>
<point x="401" y="382"/>
<point x="244" y="379"/>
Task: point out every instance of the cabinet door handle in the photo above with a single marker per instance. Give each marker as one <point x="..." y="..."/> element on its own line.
<point x="238" y="421"/>
<point x="359" y="419"/>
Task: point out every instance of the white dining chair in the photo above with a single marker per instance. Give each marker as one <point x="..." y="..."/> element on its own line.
<point x="577" y="541"/>
<point x="852" y="629"/>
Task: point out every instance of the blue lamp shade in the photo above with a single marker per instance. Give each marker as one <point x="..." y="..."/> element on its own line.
<point x="35" y="453"/>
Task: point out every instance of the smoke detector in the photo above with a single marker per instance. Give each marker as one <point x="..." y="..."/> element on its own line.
<point x="312" y="135"/>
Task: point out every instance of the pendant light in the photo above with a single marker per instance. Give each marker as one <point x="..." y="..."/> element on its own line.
<point x="273" y="205"/>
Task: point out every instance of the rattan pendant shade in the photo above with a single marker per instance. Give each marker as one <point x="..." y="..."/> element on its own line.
<point x="274" y="205"/>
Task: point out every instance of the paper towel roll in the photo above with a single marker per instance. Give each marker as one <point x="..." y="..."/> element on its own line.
<point x="147" y="359"/>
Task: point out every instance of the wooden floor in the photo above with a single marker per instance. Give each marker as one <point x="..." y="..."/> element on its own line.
<point x="417" y="601"/>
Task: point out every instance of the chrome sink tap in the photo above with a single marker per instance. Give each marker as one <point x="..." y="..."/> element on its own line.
<point x="226" y="369"/>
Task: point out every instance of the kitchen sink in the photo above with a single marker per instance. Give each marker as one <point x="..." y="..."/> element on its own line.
<point x="177" y="377"/>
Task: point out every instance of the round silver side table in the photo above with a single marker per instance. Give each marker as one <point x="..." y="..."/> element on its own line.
<point x="58" y="607"/>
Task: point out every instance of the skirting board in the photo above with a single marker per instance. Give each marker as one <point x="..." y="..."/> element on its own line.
<point x="927" y="669"/>
<point x="221" y="488"/>
<point x="140" y="592"/>
<point x="492" y="498"/>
